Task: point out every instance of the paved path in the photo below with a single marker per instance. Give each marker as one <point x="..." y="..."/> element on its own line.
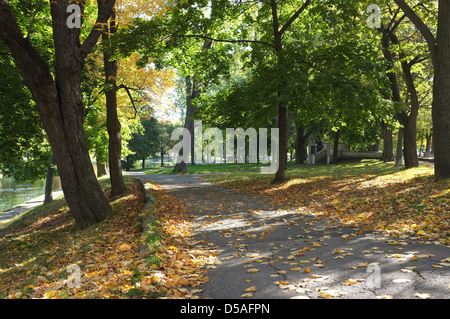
<point x="290" y="253"/>
<point x="25" y="207"/>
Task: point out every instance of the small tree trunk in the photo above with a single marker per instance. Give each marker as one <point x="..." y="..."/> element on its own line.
<point x="280" y="175"/>
<point x="399" y="151"/>
<point x="428" y="137"/>
<point x="336" y="146"/>
<point x="388" y="145"/>
<point x="101" y="168"/>
<point x="49" y="182"/>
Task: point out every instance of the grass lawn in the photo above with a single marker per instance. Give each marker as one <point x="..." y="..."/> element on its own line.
<point x="208" y="168"/>
<point x="368" y="193"/>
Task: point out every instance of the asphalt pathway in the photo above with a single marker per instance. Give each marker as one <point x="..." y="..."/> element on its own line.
<point x="265" y="252"/>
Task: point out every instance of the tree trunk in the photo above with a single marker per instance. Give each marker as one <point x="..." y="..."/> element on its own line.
<point x="280" y="175"/>
<point x="409" y="122"/>
<point x="336" y="146"/>
<point x="388" y="145"/>
<point x="60" y="106"/>
<point x="399" y="151"/>
<point x="112" y="121"/>
<point x="441" y="95"/>
<point x="428" y="138"/>
<point x="300" y="140"/>
<point x="440" y="52"/>
<point x="193" y="91"/>
<point x="101" y="168"/>
<point x="48" y="198"/>
<point x="410" y="144"/>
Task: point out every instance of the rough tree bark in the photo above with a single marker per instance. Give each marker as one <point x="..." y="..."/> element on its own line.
<point x="388" y="150"/>
<point x="112" y="120"/>
<point x="60" y="103"/>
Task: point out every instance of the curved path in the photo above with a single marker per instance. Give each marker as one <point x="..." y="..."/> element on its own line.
<point x="268" y="253"/>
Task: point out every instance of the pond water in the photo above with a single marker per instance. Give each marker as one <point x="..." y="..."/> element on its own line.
<point x="13" y="193"/>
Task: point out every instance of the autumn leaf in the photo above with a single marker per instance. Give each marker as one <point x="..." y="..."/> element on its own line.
<point x="253" y="270"/>
<point x="385" y="297"/>
<point x="350" y="282"/>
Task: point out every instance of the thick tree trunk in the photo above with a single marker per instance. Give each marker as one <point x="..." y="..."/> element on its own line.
<point x="441" y="95"/>
<point x="112" y="121"/>
<point x="60" y="106"/>
<point x="410" y="144"/>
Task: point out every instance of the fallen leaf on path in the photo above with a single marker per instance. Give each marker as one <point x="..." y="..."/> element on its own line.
<point x="423" y="296"/>
<point x="385" y="297"/>
<point x="401" y="280"/>
<point x="350" y="282"/>
<point x="329" y="294"/>
<point x="360" y="265"/>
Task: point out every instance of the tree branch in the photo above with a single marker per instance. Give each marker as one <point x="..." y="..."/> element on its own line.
<point x="105" y="9"/>
<point x="123" y="86"/>
<point x="421" y="26"/>
<point x="228" y="41"/>
<point x="294" y="16"/>
<point x="33" y="67"/>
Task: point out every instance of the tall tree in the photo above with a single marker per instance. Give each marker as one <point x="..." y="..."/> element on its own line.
<point x="439" y="46"/>
<point x="58" y="97"/>
<point x="112" y="120"/>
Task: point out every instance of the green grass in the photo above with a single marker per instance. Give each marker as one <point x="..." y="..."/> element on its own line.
<point x="208" y="168"/>
<point x="345" y="169"/>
